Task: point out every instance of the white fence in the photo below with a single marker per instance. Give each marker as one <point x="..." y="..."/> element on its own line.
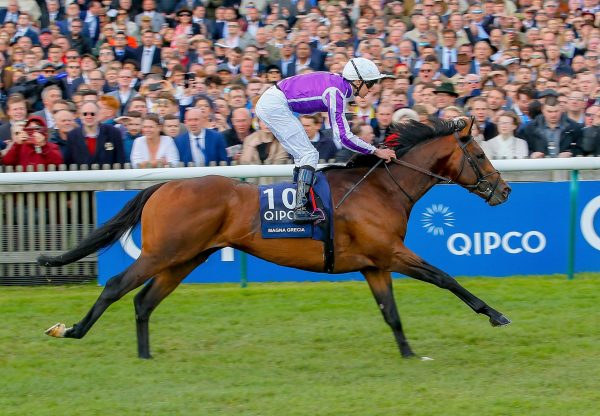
<point x="253" y="171"/>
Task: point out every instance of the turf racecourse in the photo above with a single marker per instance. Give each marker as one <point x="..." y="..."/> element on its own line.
<point x="308" y="349"/>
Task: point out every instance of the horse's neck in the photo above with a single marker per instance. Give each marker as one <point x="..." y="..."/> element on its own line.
<point x="414" y="183"/>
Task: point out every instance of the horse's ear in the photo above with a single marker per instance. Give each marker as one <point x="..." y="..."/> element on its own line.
<point x="466" y="130"/>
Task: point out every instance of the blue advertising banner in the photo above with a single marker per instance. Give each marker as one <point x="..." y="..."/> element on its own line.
<point x="456" y="231"/>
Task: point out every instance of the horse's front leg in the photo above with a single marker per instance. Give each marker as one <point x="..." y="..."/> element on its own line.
<point x="380" y="283"/>
<point x="410" y="264"/>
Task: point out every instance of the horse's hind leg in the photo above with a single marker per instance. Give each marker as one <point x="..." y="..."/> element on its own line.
<point x="117" y="287"/>
<point x="380" y="283"/>
<point x="413" y="266"/>
<point x="153" y="293"/>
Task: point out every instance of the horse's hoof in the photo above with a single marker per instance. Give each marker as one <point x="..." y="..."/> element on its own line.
<point x="500" y="320"/>
<point x="57" y="331"/>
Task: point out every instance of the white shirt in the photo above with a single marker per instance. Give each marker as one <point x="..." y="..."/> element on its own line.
<point x="147" y="55"/>
<point x="49" y="118"/>
<point x="509" y="148"/>
<point x="197" y="154"/>
<point x="166" y="149"/>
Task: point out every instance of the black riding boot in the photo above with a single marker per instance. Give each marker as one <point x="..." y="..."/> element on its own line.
<point x="306" y="176"/>
<point x="295" y="177"/>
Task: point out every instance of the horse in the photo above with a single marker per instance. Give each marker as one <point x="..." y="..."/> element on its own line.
<point x="213" y="212"/>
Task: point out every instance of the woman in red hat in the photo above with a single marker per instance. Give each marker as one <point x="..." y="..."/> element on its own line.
<point x="30" y="146"/>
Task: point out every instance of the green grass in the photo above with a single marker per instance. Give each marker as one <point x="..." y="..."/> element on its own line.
<point x="308" y="349"/>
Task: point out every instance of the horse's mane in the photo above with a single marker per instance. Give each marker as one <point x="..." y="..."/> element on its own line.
<point x="403" y="137"/>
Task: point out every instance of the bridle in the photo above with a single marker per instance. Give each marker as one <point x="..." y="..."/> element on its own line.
<point x="483" y="185"/>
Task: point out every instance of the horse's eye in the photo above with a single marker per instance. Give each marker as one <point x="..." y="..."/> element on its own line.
<point x="481" y="156"/>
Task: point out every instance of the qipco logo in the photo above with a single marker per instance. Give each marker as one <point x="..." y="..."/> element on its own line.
<point x="587" y="223"/>
<point x="485" y="243"/>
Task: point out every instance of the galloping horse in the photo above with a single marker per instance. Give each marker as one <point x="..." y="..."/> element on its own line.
<point x="213" y="212"/>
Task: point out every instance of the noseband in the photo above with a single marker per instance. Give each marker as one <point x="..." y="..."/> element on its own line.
<point x="483" y="185"/>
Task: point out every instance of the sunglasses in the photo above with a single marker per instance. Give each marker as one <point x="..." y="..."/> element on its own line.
<point x="91" y="114"/>
<point x="48" y="71"/>
<point x="189" y="15"/>
<point x="371" y="83"/>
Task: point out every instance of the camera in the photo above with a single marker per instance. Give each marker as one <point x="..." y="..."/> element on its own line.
<point x="189" y="76"/>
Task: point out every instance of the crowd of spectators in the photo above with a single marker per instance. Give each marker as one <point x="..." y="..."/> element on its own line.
<point x="163" y="82"/>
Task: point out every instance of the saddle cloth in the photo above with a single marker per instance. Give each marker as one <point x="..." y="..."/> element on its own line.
<point x="277" y="204"/>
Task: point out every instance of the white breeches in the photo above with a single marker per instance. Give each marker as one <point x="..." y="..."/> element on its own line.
<point x="273" y="109"/>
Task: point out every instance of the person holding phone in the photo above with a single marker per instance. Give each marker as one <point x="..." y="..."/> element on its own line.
<point x="30" y="146"/>
<point x="311" y="93"/>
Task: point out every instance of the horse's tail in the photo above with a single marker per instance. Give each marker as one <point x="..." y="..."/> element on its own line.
<point x="107" y="234"/>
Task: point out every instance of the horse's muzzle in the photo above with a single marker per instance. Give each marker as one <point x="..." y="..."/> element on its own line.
<point x="501" y="194"/>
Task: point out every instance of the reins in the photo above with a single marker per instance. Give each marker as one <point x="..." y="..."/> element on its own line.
<point x="482" y="185"/>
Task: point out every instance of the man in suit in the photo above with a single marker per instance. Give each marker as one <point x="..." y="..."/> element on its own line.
<point x="50" y="95"/>
<point x="73" y="12"/>
<point x="382" y="122"/>
<point x="149" y="9"/>
<point x="91" y="29"/>
<point x="199" y="17"/>
<point x="10" y="13"/>
<point x="73" y="79"/>
<point x="321" y="139"/>
<point x="147" y="54"/>
<point x="125" y="93"/>
<point x="24" y="29"/>
<point x="51" y="12"/>
<point x="305" y="58"/>
<point x="16" y="109"/>
<point x="92" y="142"/>
<point x="200" y="145"/>
<point x="447" y="53"/>
<point x="286" y="59"/>
<point x="121" y="50"/>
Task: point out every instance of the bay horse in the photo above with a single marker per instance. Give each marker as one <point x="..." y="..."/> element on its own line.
<point x="185" y="221"/>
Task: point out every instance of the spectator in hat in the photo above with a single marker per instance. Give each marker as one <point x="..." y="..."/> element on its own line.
<point x="273" y="74"/>
<point x="224" y="73"/>
<point x="45" y="40"/>
<point x="461" y="67"/>
<point x="445" y="96"/>
<point x="30" y="146"/>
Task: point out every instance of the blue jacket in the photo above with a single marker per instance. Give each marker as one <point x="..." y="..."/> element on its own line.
<point x="109" y="147"/>
<point x="214" y="148"/>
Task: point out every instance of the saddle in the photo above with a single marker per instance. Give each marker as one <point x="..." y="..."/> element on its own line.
<point x="277" y="202"/>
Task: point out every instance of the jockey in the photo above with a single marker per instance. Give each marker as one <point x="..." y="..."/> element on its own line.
<point x="312" y="93"/>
